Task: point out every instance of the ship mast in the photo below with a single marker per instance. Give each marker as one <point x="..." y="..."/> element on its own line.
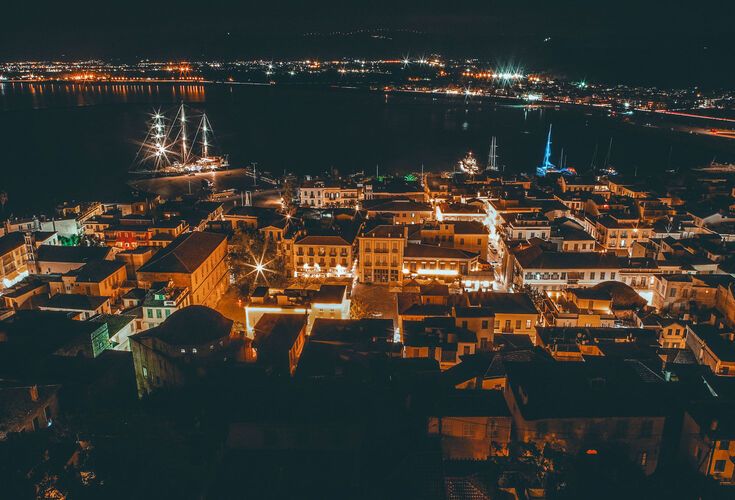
<point x="182" y="119"/>
<point x="205" y="143"/>
<point x="546" y="164"/>
<point x="609" y="152"/>
<point x="493" y="156"/>
<point x="159" y="139"/>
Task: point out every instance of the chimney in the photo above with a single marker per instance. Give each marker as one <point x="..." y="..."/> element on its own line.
<point x="713" y="425"/>
<point x="33" y="392"/>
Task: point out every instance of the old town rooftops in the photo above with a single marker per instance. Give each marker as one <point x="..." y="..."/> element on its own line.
<point x="594" y="389"/>
<point x="191" y="326"/>
<point x="74" y="302"/>
<point x="346" y="331"/>
<point x="96" y="271"/>
<point x="462" y="403"/>
<point x="535" y="257"/>
<point x="277" y="332"/>
<point x="387" y="231"/>
<point x="11" y="241"/>
<point x="414" y="251"/>
<point x="397" y="205"/>
<point x="330" y="294"/>
<point x="468" y="227"/>
<point x="503" y="302"/>
<point x="720" y="342"/>
<point x="327" y="240"/>
<point x="185" y="254"/>
<point x="81" y="254"/>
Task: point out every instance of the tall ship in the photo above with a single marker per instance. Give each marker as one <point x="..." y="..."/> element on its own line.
<point x="170" y="149"/>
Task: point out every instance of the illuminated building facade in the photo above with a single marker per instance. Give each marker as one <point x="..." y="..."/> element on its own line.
<point x="14" y="256"/>
<point x="320" y="194"/>
<point x="195" y="261"/>
<point x="381" y="255"/>
<point x="443" y="263"/>
<point x="322" y="256"/>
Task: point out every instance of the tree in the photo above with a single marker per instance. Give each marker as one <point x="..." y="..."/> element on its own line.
<point x="288" y="194"/>
<point x="254" y="261"/>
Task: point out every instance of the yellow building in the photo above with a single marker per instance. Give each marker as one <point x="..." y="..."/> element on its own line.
<point x="512" y="312"/>
<point x="587" y="408"/>
<point x="322" y="256"/>
<point x="708" y="440"/>
<point x="14" y="256"/>
<point x="619" y="234"/>
<point x="403" y="211"/>
<point x="473" y="425"/>
<point x="195" y="261"/>
<point x="381" y="255"/>
<point x="712" y="347"/>
<point x="470" y="236"/>
<point x="101" y="278"/>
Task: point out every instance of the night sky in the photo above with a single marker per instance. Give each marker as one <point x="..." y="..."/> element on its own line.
<point x="649" y="41"/>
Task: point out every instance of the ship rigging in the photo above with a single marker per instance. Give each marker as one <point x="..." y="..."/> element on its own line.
<point x="547" y="167"/>
<point x="167" y="150"/>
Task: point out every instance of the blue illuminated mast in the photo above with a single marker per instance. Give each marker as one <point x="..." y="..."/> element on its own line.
<point x="546" y="165"/>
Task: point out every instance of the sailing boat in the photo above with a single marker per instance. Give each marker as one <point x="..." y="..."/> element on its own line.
<point x="166" y="150"/>
<point x="492" y="159"/>
<point x="607" y="169"/>
<point x="547" y="167"/>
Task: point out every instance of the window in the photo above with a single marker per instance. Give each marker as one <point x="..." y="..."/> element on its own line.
<point x="464" y="323"/>
<point x="724" y="445"/>
<point x="528" y="324"/>
<point x="518" y="324"/>
<point x="466" y="350"/>
<point x="467" y="429"/>
<point x="484" y="324"/>
<point x="145" y="372"/>
<point x="592" y="275"/>
<point x="643" y="459"/>
<point x="719" y="464"/>
<point x="150" y="313"/>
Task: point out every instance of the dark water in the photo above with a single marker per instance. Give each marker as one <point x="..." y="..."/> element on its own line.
<point x="63" y="141"/>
